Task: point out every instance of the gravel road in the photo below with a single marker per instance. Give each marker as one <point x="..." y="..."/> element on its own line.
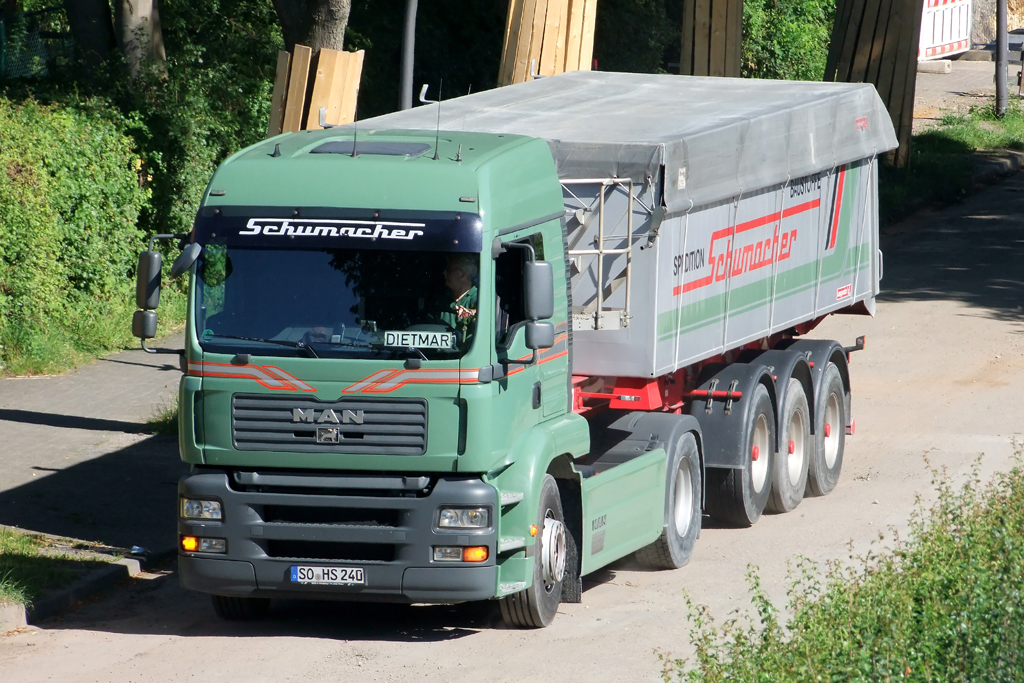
<point x="942" y="377"/>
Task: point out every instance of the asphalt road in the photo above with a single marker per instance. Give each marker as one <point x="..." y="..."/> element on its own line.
<point x="942" y="377"/>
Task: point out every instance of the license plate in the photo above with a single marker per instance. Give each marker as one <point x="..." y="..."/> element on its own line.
<point x="421" y="340"/>
<point x="329" y="576"/>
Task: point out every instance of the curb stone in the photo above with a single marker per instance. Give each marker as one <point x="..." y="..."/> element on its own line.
<point x="99" y="581"/>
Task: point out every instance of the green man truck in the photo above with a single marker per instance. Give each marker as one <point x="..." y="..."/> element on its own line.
<point x="479" y="349"/>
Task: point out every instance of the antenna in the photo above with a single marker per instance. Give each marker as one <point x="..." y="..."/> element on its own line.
<point x="424" y="100"/>
<point x="437" y="131"/>
<point x="458" y="157"/>
<point x="355" y="130"/>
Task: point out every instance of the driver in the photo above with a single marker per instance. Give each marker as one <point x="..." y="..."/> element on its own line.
<point x="460" y="275"/>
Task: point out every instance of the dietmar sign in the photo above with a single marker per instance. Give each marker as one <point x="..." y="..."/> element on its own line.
<point x="370" y="230"/>
<point x="741" y="249"/>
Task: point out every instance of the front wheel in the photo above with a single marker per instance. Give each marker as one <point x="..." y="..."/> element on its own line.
<point x="536" y="606"/>
<point x="682" y="514"/>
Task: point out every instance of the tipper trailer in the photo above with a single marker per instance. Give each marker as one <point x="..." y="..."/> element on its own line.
<point x="481" y="352"/>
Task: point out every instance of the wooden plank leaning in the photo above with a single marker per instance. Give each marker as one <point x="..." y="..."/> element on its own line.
<point x="296" y="89"/>
<point x="587" y="36"/>
<point x="327" y="64"/>
<point x="284" y="60"/>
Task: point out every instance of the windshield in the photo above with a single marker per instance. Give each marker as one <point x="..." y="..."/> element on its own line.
<point x="336" y="302"/>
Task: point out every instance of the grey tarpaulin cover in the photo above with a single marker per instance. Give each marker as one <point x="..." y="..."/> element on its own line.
<point x="716" y="137"/>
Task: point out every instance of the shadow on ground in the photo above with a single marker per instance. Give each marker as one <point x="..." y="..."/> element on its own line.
<point x="972" y="252"/>
<point x="124" y="498"/>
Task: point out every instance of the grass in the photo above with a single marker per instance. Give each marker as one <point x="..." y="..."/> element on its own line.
<point x="31" y="565"/>
<point x="165" y="422"/>
<point x="942" y="160"/>
<point x="946" y="604"/>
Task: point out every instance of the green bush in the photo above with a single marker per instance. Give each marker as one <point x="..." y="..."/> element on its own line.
<point x="945" y="605"/>
<point x="786" y="39"/>
<point x="70" y="195"/>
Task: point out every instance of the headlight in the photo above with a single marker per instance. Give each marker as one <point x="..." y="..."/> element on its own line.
<point x="200" y="509"/>
<point x="464" y="518"/>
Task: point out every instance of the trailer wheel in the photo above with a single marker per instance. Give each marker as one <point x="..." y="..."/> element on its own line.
<point x="789" y="474"/>
<point x="536" y="606"/>
<point x="738" y="496"/>
<point x="240" y="609"/>
<point x="682" y="514"/>
<point x="829" y="434"/>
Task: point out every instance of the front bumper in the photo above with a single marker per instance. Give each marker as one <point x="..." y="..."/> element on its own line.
<point x="391" y="535"/>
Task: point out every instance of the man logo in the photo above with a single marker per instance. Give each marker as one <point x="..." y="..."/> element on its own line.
<point x="348" y="417"/>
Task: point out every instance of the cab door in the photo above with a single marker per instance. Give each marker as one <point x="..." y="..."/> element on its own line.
<point x="537" y="391"/>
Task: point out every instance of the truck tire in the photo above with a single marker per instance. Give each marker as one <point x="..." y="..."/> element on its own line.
<point x="682" y="514"/>
<point x="829" y="434"/>
<point x="240" y="609"/>
<point x="738" y="496"/>
<point x="789" y="474"/>
<point x="536" y="606"/>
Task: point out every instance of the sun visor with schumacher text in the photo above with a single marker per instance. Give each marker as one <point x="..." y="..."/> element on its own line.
<point x="329" y="228"/>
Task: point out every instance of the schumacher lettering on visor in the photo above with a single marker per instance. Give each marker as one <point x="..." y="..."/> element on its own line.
<point x="308" y="227"/>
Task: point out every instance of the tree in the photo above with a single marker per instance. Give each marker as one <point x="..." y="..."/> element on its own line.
<point x="314" y="23"/>
<point x="134" y="28"/>
<point x="137" y="23"/>
<point x="92" y="28"/>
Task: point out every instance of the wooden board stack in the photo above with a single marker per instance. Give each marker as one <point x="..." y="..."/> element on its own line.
<point x="557" y="35"/>
<point x="876" y="41"/>
<point x="335" y="86"/>
<point x="712" y="36"/>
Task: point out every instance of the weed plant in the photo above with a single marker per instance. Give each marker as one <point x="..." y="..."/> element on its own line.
<point x="945" y="604"/>
<point x="29" y="567"/>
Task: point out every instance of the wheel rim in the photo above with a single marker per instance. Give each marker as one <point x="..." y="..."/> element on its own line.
<point x="552" y="552"/>
<point x="832" y="439"/>
<point x="684" y="499"/>
<point x="759" y="467"/>
<point x="795" y="460"/>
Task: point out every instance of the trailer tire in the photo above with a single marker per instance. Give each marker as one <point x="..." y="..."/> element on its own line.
<point x="789" y="473"/>
<point x="682" y="511"/>
<point x="240" y="609"/>
<point x="536" y="606"/>
<point x="829" y="434"/>
<point x="738" y="496"/>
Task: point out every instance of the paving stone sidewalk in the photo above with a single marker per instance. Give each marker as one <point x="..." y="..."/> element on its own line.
<point x="75" y="456"/>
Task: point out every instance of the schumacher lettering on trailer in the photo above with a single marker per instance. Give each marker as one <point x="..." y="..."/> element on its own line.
<point x="733" y="261"/>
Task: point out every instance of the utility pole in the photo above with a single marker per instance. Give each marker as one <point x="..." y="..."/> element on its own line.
<point x="1002" y="58"/>
<point x="409" y="50"/>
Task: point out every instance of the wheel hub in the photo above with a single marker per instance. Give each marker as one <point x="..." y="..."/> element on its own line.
<point x="552" y="553"/>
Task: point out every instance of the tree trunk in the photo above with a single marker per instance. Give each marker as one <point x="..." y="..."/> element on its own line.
<point x="137" y="25"/>
<point x="314" y="23"/>
<point x="92" y="28"/>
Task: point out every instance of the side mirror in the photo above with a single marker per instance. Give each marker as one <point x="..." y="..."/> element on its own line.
<point x="539" y="335"/>
<point x="144" y="325"/>
<point x="147" y="282"/>
<point x="539" y="294"/>
<point x="185" y="260"/>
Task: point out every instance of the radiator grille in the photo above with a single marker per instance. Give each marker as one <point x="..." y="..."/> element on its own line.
<point x="272" y="423"/>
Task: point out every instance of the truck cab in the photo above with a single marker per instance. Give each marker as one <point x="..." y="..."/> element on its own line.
<point x="352" y="417"/>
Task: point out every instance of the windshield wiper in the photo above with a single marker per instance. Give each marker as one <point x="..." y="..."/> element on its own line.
<point x="302" y="346"/>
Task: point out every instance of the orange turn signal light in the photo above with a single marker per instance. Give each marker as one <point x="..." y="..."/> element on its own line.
<point x="533" y="529"/>
<point x="189" y="543"/>
<point x="476" y="553"/>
